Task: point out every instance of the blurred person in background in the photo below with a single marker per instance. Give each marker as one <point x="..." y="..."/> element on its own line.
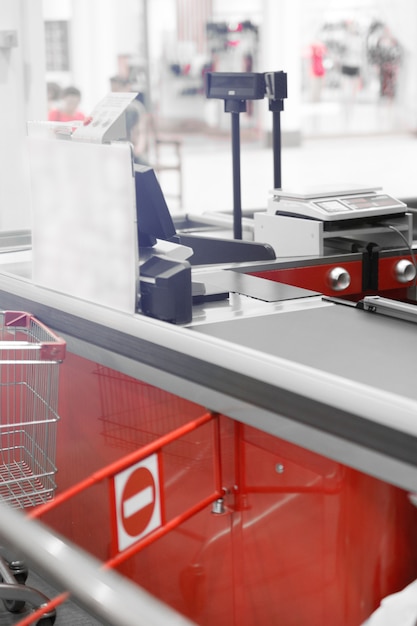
<point x="119" y="83"/>
<point x="53" y="94"/>
<point x="137" y="132"/>
<point x="68" y="107"/>
<point x="137" y="121"/>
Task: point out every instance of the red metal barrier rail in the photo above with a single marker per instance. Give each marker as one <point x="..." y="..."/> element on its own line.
<point x="111" y="471"/>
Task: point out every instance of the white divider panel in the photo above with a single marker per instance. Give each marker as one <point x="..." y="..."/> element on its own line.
<point x="84" y="221"/>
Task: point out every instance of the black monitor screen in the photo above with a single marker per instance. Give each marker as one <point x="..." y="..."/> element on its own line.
<point x="154" y="218"/>
<point x="235" y="85"/>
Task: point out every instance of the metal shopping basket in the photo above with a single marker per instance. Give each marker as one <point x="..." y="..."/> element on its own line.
<point x="115" y="599"/>
<point x="29" y="357"/>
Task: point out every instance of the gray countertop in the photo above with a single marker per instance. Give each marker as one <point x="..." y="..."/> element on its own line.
<point x="333" y="379"/>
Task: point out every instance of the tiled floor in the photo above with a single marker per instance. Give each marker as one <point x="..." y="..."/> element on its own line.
<point x="68" y="614"/>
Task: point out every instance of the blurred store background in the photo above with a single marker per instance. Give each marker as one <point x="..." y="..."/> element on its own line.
<point x="352" y="82"/>
<point x="351" y="66"/>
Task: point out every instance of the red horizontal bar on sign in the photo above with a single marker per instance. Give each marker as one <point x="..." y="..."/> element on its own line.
<point x="161" y="531"/>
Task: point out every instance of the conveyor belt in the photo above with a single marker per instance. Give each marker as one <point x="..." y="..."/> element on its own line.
<point x="340" y="340"/>
<point x="343" y="341"/>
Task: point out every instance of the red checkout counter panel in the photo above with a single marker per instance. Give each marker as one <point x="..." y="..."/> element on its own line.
<point x="299" y="538"/>
<point x="391" y="275"/>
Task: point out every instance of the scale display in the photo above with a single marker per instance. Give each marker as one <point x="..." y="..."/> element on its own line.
<point x="335" y="204"/>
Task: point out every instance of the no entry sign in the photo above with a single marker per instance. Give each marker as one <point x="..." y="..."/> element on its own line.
<point x="137" y="501"/>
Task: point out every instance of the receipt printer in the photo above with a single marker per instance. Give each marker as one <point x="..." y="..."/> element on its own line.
<point x="165" y="289"/>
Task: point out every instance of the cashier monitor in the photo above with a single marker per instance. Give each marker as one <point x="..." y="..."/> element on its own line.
<point x="153" y="216"/>
<point x="155" y="222"/>
<point x="165" y="283"/>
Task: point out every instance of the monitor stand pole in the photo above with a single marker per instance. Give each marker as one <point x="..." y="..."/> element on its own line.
<point x="276" y="106"/>
<point x="235" y="107"/>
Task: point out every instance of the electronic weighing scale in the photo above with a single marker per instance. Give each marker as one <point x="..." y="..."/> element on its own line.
<point x="334" y="203"/>
<point x="300" y="222"/>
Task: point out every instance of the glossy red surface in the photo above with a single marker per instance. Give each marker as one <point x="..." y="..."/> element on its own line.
<point x="303" y="540"/>
<point x="316" y="277"/>
<point x="387" y="278"/>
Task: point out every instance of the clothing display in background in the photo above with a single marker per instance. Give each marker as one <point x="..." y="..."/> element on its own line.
<point x="385" y="52"/>
<point x="317" y="54"/>
<point x="359" y="51"/>
<point x="353" y="50"/>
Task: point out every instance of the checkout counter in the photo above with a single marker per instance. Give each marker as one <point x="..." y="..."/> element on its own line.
<point x="315" y="400"/>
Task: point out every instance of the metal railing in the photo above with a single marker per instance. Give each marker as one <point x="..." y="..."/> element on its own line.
<point x="105" y="594"/>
